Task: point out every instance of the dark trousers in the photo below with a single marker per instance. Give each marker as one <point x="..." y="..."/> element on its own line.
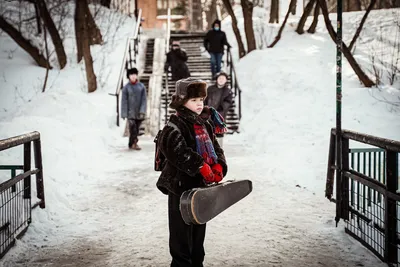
<point x="215" y="60"/>
<point x="133" y="131"/>
<point x="185" y="241"/>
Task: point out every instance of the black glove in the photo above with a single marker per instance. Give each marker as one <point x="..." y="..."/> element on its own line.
<point x="142" y="116"/>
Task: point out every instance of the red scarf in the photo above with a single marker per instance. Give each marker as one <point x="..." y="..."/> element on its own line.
<point x="204" y="145"/>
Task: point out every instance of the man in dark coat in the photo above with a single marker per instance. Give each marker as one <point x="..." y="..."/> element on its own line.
<point x="133" y="106"/>
<point x="176" y="59"/>
<point x="214" y="43"/>
<point x="219" y="95"/>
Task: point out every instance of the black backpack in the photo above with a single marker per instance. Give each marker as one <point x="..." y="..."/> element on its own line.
<point x="159" y="158"/>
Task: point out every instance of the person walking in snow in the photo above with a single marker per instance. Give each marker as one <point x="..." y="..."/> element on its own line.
<point x="214" y="43"/>
<point x="193" y="159"/>
<point x="219" y="96"/>
<point x="176" y="59"/>
<point x="133" y="106"/>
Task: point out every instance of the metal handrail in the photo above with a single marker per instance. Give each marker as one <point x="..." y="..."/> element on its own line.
<point x="168" y="33"/>
<point x="232" y="72"/>
<point x="167" y="42"/>
<point x="138" y="23"/>
<point x="234" y="82"/>
<point x="124" y="65"/>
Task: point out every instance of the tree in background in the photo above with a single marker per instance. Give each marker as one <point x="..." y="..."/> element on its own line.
<point x="278" y="36"/>
<point x="274" y="12"/>
<point x="235" y="28"/>
<point x="23" y="42"/>
<point x="83" y="36"/>
<point x="53" y="31"/>
<point x="21" y="29"/>
<point x="247" y="7"/>
<point x="106" y="3"/>
<point x="346" y="52"/>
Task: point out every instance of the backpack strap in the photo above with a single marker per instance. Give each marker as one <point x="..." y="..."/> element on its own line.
<point x="173" y="125"/>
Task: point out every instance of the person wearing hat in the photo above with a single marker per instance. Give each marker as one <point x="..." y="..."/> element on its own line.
<point x="219" y="96"/>
<point x="133" y="106"/>
<point x="214" y="43"/>
<point x="193" y="159"/>
<point x="176" y="59"/>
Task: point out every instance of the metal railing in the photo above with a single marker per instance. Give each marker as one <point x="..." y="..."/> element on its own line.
<point x="129" y="60"/>
<point x="234" y="84"/>
<point x="367" y="192"/>
<point x="237" y="92"/>
<point x="15" y="194"/>
<point x="167" y="43"/>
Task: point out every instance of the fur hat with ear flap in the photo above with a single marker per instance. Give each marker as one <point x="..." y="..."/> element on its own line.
<point x="186" y="89"/>
<point x="131" y="71"/>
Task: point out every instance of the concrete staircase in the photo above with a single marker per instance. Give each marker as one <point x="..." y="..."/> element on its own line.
<point x="199" y="66"/>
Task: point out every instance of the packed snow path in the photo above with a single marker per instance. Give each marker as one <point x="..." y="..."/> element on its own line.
<point x="124" y="222"/>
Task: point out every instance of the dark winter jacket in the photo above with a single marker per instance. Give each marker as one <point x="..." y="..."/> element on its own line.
<point x="177" y="60"/>
<point x="133" y="101"/>
<point x="214" y="41"/>
<point x="219" y="98"/>
<point x="178" y="143"/>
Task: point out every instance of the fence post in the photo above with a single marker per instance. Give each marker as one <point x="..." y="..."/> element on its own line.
<point x="37" y="148"/>
<point x="338" y="155"/>
<point x="391" y="207"/>
<point x="330" y="173"/>
<point x="27" y="167"/>
<point x="344" y="179"/>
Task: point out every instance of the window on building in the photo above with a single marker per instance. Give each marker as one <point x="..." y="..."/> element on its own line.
<point x="163" y="5"/>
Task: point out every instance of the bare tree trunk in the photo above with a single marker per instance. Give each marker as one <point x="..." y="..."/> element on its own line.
<point x="235" y="28"/>
<point x="360" y="27"/>
<point x="95" y="36"/>
<point x="247" y="8"/>
<point x="303" y="19"/>
<point x="274" y="12"/>
<point x="315" y="19"/>
<point x="82" y="19"/>
<point x="78" y="32"/>
<point x="37" y="15"/>
<point x="55" y="36"/>
<point x="293" y="8"/>
<point x="46" y="77"/>
<point x="357" y="69"/>
<point x="106" y="3"/>
<point x="23" y="43"/>
<point x="278" y="36"/>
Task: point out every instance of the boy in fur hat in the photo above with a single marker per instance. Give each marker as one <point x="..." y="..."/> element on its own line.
<point x="193" y="159"/>
<point x="133" y="106"/>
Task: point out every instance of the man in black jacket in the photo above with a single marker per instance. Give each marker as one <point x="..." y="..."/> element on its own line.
<point x="176" y="58"/>
<point x="214" y="44"/>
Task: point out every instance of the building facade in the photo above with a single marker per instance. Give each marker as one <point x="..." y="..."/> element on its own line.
<point x="185" y="14"/>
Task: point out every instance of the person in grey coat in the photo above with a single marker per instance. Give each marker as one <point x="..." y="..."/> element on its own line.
<point x="219" y="96"/>
<point x="133" y="106"/>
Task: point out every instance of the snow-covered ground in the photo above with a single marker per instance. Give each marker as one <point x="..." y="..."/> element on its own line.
<point x="103" y="208"/>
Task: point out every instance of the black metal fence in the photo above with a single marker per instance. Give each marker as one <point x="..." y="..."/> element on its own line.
<point x="16" y="193"/>
<point x="367" y="193"/>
